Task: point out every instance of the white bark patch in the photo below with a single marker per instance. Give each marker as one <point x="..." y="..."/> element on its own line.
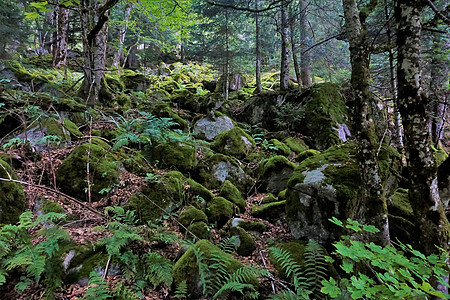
<point x="435" y="194"/>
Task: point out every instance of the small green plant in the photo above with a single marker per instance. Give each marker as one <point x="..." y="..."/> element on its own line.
<point x="152" y="178"/>
<point x="263" y="143"/>
<point x="97" y="288"/>
<point x="377" y="272"/>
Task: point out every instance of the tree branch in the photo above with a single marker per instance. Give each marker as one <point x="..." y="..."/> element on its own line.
<point x="273" y="5"/>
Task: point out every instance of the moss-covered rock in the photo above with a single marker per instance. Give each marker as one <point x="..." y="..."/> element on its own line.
<point x="134" y="81"/>
<point x="305" y="154"/>
<point x="186" y="268"/>
<point x="401" y="217"/>
<point x="234" y="142"/>
<point x="199" y="229"/>
<point x="253" y="226"/>
<point x="103" y="171"/>
<point x="214" y="170"/>
<point x="296" y="250"/>
<point x="50" y="206"/>
<point x="282" y="148"/>
<point x="230" y="192"/>
<point x="72" y="128"/>
<point x="323" y="186"/>
<point x="211" y="128"/>
<point x="114" y="83"/>
<point x="274" y="173"/>
<point x="163" y="110"/>
<point x="191" y="215"/>
<point x="245" y="244"/>
<point x="172" y="191"/>
<point x="176" y="155"/>
<point x="269" y="198"/>
<point x="296" y="145"/>
<point x="12" y="197"/>
<point x="220" y="210"/>
<point x="282" y="195"/>
<point x="272" y="211"/>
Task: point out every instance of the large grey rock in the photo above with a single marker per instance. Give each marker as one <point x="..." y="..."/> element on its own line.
<point x="211" y="128"/>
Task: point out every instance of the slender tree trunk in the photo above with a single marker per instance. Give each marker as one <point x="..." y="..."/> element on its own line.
<point x="305" y="40"/>
<point x="226" y="85"/>
<point x="61" y="20"/>
<point x="294" y="54"/>
<point x="121" y="34"/>
<point x="258" y="49"/>
<point x="372" y="208"/>
<point x="285" y="47"/>
<point x="94" y="23"/>
<point x="432" y="226"/>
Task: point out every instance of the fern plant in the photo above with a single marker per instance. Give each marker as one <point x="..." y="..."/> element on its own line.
<point x="98" y="289"/>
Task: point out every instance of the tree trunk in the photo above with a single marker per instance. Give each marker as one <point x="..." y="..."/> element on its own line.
<point x="258" y="50"/>
<point x="372" y="207"/>
<point x="61" y="20"/>
<point x="121" y="34"/>
<point x="226" y="86"/>
<point x="432" y="226"/>
<point x="94" y="23"/>
<point x="285" y="47"/>
<point x="294" y="53"/>
<point x="305" y="40"/>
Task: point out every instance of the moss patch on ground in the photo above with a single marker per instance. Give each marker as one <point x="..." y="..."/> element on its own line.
<point x="234" y="142"/>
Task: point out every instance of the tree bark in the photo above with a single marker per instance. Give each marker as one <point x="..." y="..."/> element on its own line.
<point x="258" y="50"/>
<point x="61" y="20"/>
<point x="432" y="227"/>
<point x="119" y="56"/>
<point x="285" y="47"/>
<point x="294" y="53"/>
<point x="305" y="40"/>
<point x="372" y="207"/>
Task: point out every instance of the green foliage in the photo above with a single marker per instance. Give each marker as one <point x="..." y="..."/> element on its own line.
<point x="97" y="288"/>
<point x="181" y="290"/>
<point x="377" y="272"/>
<point x="35" y="261"/>
<point x="289" y="116"/>
<point x="158" y="269"/>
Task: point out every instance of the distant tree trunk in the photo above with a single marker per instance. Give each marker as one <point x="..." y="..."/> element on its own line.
<point x="372" y="208"/>
<point x="305" y="39"/>
<point x="94" y="22"/>
<point x="121" y="34"/>
<point x="61" y="20"/>
<point x="131" y="61"/>
<point x="432" y="227"/>
<point x="294" y="52"/>
<point x="226" y="71"/>
<point x="258" y="50"/>
<point x="285" y="47"/>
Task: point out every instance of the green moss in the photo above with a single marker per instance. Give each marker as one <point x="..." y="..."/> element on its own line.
<point x="220" y="210"/>
<point x="72" y="128"/>
<point x="124" y="101"/>
<point x="134" y="81"/>
<point x="296" y="145"/>
<point x="274" y="173"/>
<point x="401" y="228"/>
<point x="191" y="215"/>
<point x="230" y="192"/>
<point x="85" y="260"/>
<point x="269" y="198"/>
<point x="400" y="205"/>
<point x="246" y="245"/>
<point x="114" y="83"/>
<point x="101" y="143"/>
<point x="253" y="226"/>
<point x="282" y="194"/>
<point x="234" y="142"/>
<point x="200" y="229"/>
<point x="43" y="61"/>
<point x="12" y="197"/>
<point x="271" y="211"/>
<point x="186" y="268"/>
<point x="177" y="155"/>
<point x="275" y="163"/>
<point x="19" y="71"/>
<point x="135" y="162"/>
<point x="389" y="160"/>
<point x="305" y="154"/>
<point x="50" y="206"/>
<point x="282" y="148"/>
<point x="296" y="249"/>
<point x="103" y="171"/>
<point x="439" y="154"/>
<point x="55" y="128"/>
<point x="163" y="110"/>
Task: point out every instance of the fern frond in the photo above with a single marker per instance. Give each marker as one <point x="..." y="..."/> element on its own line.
<point x="285" y="295"/>
<point x="123" y="292"/>
<point x="203" y="269"/>
<point x="181" y="290"/>
<point x="158" y="269"/>
<point x="233" y="286"/>
<point x="228" y="245"/>
<point x="97" y="288"/>
<point x="315" y="266"/>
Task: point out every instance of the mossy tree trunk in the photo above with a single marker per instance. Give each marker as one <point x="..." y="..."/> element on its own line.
<point x="61" y="20"/>
<point x="432" y="227"/>
<point x="285" y="47"/>
<point x="305" y="40"/>
<point x="94" y="22"/>
<point x="372" y="208"/>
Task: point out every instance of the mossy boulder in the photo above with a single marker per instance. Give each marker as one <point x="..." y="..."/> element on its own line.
<point x="114" y="83"/>
<point x="170" y="192"/>
<point x="176" y="155"/>
<point x="12" y="196"/>
<point x="245" y="244"/>
<point x="296" y="250"/>
<point x="274" y="173"/>
<point x="269" y="198"/>
<point x="191" y="215"/>
<point x="186" y="268"/>
<point x="296" y="145"/>
<point x="163" y="110"/>
<point x="103" y="171"/>
<point x="134" y="81"/>
<point x="282" y="148"/>
<point x="230" y="192"/>
<point x="323" y="186"/>
<point x="199" y="229"/>
<point x="220" y="210"/>
<point x="253" y="226"/>
<point x="214" y="170"/>
<point x="305" y="154"/>
<point x="282" y="195"/>
<point x="401" y="217"/>
<point x="272" y="211"/>
<point x="210" y="128"/>
<point x="20" y="77"/>
<point x="234" y="142"/>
